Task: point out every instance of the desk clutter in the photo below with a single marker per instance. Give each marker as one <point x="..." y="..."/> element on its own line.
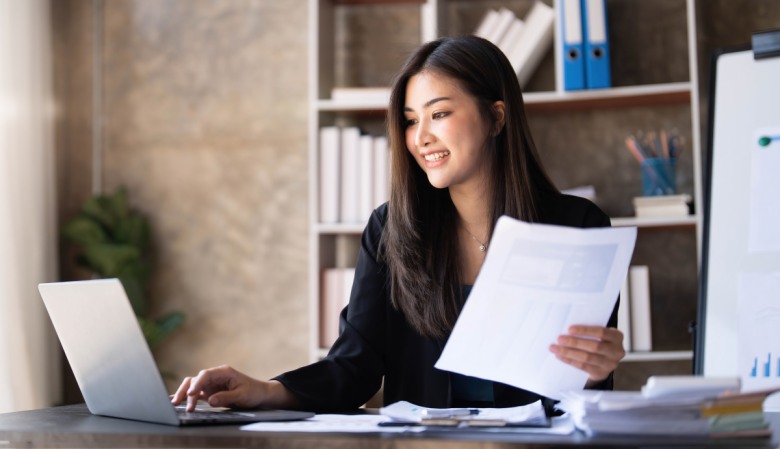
<point x="678" y="406"/>
<point x="404" y="413"/>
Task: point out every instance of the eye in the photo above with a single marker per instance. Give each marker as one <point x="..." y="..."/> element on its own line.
<point x="409" y="122"/>
<point x="441" y="114"/>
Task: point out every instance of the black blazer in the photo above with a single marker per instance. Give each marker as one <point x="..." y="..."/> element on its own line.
<point x="376" y="342"/>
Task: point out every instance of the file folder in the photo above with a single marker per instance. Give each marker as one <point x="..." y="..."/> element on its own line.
<point x="597" y="72"/>
<point x="572" y="39"/>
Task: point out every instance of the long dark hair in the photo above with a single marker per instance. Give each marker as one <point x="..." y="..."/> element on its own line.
<point x="420" y="240"/>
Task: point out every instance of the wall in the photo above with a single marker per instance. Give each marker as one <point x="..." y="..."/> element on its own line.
<point x="204" y="121"/>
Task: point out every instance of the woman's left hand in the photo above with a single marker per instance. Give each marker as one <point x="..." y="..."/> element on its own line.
<point x="597" y="350"/>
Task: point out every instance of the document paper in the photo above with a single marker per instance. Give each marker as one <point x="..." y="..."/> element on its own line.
<point x="536" y="281"/>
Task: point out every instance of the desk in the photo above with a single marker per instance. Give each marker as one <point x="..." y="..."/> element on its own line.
<point x="73" y="426"/>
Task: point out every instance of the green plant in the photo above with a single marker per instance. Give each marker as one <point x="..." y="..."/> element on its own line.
<point x="113" y="242"/>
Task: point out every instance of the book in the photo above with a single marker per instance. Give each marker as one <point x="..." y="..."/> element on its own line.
<point x="662" y="206"/>
<point x="329" y="173"/>
<point x="366" y="182"/>
<point x="329" y="294"/>
<point x="381" y="171"/>
<point x="334" y="296"/>
<point x="512" y="36"/>
<point x="350" y="175"/>
<point x="534" y="42"/>
<point x="496" y="33"/>
<point x="588" y="192"/>
<point x="487" y="24"/>
<point x="624" y="315"/>
<point x="639" y="291"/>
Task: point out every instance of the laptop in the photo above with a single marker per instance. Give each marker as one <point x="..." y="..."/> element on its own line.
<point x="112" y="362"/>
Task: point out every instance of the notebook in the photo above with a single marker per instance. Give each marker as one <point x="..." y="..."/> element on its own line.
<point x="112" y="363"/>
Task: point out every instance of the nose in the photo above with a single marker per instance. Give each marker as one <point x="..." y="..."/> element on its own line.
<point x="422" y="136"/>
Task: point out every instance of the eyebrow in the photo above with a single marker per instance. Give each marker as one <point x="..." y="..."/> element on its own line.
<point x="428" y="103"/>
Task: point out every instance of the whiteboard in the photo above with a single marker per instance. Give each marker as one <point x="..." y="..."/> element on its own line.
<point x="738" y="330"/>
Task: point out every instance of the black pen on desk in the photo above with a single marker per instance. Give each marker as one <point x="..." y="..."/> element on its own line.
<point x="449" y="412"/>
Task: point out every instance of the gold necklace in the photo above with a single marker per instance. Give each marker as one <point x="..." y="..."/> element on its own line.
<point x="482" y="247"/>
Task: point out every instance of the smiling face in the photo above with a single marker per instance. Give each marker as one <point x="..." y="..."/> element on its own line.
<point x="445" y="131"/>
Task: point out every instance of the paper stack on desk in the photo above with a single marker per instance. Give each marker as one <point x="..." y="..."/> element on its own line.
<point x="406" y="413"/>
<point x="674" y="406"/>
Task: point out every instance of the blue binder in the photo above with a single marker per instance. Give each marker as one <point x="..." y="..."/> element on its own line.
<point x="597" y="72"/>
<point x="572" y="38"/>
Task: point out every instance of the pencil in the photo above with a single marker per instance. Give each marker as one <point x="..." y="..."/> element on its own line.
<point x="664" y="144"/>
<point x="632" y="147"/>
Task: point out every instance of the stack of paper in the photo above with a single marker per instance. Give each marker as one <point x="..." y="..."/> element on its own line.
<point x="678" y="406"/>
<point x="662" y="206"/>
<point x="406" y="413"/>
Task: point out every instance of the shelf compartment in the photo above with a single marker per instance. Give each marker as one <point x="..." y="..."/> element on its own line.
<point x="666" y="222"/>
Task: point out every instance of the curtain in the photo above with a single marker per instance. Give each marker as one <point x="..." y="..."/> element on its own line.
<point x="29" y="354"/>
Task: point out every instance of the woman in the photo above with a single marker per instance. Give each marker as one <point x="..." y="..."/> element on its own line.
<point x="462" y="156"/>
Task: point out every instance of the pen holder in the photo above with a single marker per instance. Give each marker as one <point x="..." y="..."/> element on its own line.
<point x="658" y="176"/>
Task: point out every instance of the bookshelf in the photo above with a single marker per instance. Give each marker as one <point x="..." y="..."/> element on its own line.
<point x="638" y="101"/>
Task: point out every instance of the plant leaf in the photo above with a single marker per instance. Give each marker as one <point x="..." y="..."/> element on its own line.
<point x="109" y="260"/>
<point x="83" y="231"/>
<point x="168" y="323"/>
<point x="133" y="230"/>
<point x="118" y="203"/>
<point x="151" y="331"/>
<point x="99" y="209"/>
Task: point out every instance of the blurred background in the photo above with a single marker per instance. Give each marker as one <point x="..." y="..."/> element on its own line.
<point x="198" y="109"/>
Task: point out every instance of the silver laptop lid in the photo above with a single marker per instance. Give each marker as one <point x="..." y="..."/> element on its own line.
<point x="107" y="351"/>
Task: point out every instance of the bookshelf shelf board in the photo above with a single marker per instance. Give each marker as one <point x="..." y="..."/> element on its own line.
<point x="629" y="96"/>
<point x="340" y="228"/>
<point x="657" y="356"/>
<point x="352" y="105"/>
<point x="667" y="222"/>
<point x="691" y="220"/>
<point x="374" y="2"/>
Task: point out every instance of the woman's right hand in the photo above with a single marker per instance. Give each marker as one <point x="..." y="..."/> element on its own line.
<point x="224" y="386"/>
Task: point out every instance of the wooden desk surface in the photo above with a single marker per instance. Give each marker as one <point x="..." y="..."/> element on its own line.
<point x="73" y="426"/>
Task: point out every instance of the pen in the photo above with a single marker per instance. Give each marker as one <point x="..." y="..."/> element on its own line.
<point x="449" y="412"/>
